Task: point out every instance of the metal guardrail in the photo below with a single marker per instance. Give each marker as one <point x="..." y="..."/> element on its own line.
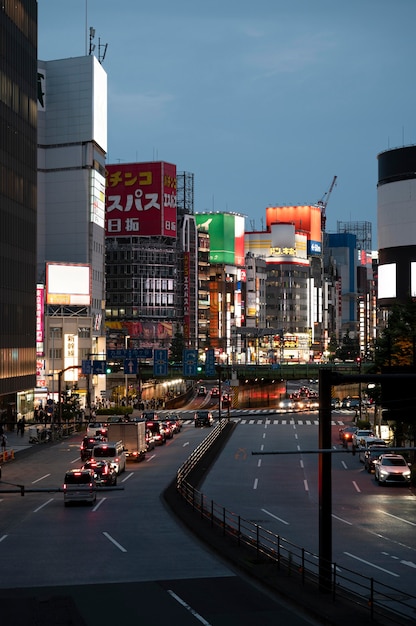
<point x="381" y="601"/>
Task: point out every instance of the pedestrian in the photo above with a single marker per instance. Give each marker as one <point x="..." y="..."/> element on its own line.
<point x="22" y="426"/>
<point x="3" y="443"/>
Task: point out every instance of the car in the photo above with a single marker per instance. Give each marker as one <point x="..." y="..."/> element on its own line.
<point x="96" y="429"/>
<point x="150" y="440"/>
<point x="168" y="426"/>
<point x="336" y="403"/>
<point x="203" y="418"/>
<point x="360" y="435"/>
<point x="370" y="457"/>
<point x="113" y="452"/>
<point x="202" y="391"/>
<point x="286" y="404"/>
<point x="215" y="392"/>
<point x="79" y="486"/>
<point x="367" y="443"/>
<point x="174" y="421"/>
<point x="346" y="435"/>
<point x="157" y="430"/>
<point x="392" y="469"/>
<point x="149" y="415"/>
<point x="87" y="445"/>
<point x="105" y="475"/>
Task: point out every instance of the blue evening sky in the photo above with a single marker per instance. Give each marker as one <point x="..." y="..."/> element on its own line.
<point x="264" y="101"/>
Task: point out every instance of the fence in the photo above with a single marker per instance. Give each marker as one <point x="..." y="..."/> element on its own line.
<point x="276" y="554"/>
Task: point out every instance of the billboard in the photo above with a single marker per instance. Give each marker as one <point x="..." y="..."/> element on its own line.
<point x="68" y="284"/>
<point x="226" y="235"/>
<point x="141" y="199"/>
<point x="306" y="218"/>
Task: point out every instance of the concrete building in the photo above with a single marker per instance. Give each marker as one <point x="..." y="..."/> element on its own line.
<point x="396" y="225"/>
<point x="18" y="58"/>
<point x="72" y="145"/>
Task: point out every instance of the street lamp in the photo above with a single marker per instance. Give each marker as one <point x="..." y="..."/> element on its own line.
<point x="126" y="384"/>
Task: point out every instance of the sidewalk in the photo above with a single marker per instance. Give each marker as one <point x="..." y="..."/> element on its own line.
<point x="16" y="443"/>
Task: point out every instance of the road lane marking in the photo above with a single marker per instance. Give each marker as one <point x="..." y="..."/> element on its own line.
<point x="401" y="519"/>
<point x="39" y="479"/>
<point x="99" y="503"/>
<point x="305" y="484"/>
<point x="127" y="477"/>
<point x="2" y="538"/>
<point x="344" y="465"/>
<point x="118" y="545"/>
<point x="301" y="463"/>
<point x="42" y="505"/>
<point x="256" y="482"/>
<point x="188" y="608"/>
<point x="259" y="463"/>
<point x="150" y="458"/>
<point x="279" y="519"/>
<point x="340" y="519"/>
<point x="386" y="571"/>
<point x="356" y="486"/>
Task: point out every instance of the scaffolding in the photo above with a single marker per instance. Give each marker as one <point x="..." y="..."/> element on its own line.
<point x="362" y="230"/>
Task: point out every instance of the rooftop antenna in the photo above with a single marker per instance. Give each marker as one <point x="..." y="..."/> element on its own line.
<point x="92" y="45"/>
<point x="101" y="55"/>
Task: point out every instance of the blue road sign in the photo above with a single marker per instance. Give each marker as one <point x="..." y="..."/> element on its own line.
<point x="160" y="362"/>
<point x="210" y="363"/>
<point x="99" y="367"/>
<point x="86" y="367"/>
<point x="134" y="353"/>
<point x="130" y="366"/>
<point x="190" y="362"/>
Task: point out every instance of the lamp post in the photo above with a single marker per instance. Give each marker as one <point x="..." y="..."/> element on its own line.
<point x="126" y="383"/>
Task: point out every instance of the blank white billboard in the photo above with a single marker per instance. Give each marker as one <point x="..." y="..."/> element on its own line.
<point x="68" y="284"/>
<point x="387" y="281"/>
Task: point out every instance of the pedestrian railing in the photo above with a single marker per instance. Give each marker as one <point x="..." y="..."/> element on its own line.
<point x="381" y="601"/>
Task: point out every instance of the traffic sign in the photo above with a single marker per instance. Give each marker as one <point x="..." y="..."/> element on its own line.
<point x="130" y="366"/>
<point x="99" y="367"/>
<point x="160" y="362"/>
<point x="210" y="362"/>
<point x="86" y="367"/>
<point x="190" y="362"/>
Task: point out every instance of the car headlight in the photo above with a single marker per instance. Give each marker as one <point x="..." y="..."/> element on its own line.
<point x="407" y="473"/>
<point x="383" y="472"/>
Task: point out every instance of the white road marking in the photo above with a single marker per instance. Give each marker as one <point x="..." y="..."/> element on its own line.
<point x="39" y="479"/>
<point x="279" y="519"/>
<point x="150" y="458"/>
<point x="189" y="608"/>
<point x="99" y="503"/>
<point x="2" y="538"/>
<point x="118" y="545"/>
<point x="340" y="519"/>
<point x="386" y="571"/>
<point x="256" y="482"/>
<point x="259" y="463"/>
<point x="356" y="486"/>
<point x="401" y="519"/>
<point x="305" y="484"/>
<point x="42" y="505"/>
<point x="127" y="477"/>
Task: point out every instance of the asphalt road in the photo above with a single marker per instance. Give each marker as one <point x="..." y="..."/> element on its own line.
<point x="126" y="558"/>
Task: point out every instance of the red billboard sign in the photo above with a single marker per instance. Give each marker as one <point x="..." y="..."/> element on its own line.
<point x="141" y="199"/>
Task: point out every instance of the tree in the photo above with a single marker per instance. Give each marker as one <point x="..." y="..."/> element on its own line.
<point x="177" y="347"/>
<point x="349" y="350"/>
<point x="396" y="344"/>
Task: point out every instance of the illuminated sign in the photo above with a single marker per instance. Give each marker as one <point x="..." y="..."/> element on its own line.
<point x="71" y="357"/>
<point x="226" y="236"/>
<point x="141" y="199"/>
<point x="68" y="284"/>
<point x="40" y="320"/>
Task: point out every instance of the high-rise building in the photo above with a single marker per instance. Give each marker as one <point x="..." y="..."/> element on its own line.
<point x="72" y="145"/>
<point x="18" y="119"/>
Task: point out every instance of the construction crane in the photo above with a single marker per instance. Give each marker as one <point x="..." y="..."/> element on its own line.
<point x="322" y="203"/>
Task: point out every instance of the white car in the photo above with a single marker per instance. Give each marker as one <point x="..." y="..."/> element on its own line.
<point x="360" y="436"/>
<point x="392" y="469"/>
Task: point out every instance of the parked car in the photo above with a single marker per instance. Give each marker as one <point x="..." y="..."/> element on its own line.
<point x="79" y="486"/>
<point x="392" y="469"/>
<point x="203" y="418"/>
<point x="105" y="475"/>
